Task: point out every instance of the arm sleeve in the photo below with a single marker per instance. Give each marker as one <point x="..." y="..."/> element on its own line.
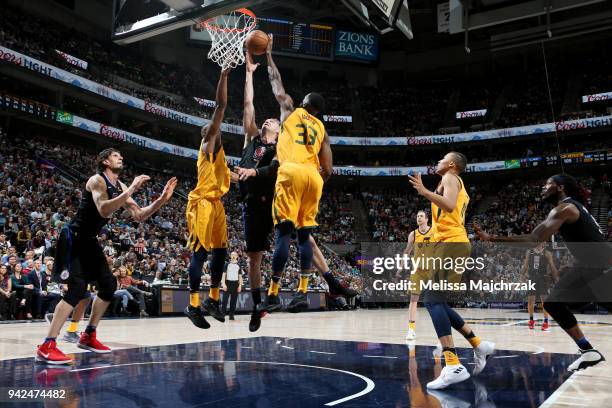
<point x="269" y="170"/>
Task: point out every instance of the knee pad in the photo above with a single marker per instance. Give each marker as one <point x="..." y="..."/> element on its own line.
<point x="107" y="286"/>
<point x="76" y="292"/>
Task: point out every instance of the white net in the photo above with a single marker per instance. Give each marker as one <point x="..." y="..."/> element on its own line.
<point x="228" y="33"/>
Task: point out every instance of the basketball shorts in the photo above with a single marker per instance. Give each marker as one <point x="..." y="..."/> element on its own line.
<point x="78" y="258"/>
<point x="542" y="285"/>
<point x="420" y="275"/>
<point x="297" y="194"/>
<point x="448" y="267"/>
<point x="257" y="223"/>
<point x="583" y="284"/>
<point x="206" y="225"/>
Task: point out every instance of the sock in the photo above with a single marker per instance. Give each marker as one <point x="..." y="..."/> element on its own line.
<point x="545" y="319"/>
<point x="194" y="299"/>
<point x="450" y="356"/>
<point x="214" y="294"/>
<point x="256" y="295"/>
<point x="473" y="339"/>
<point x="530" y="317"/>
<point x="90" y="329"/>
<point x="328" y="276"/>
<point x="584" y="344"/>
<point x="72" y="327"/>
<point x="48" y="339"/>
<point x="412" y="324"/>
<point x="274" y="286"/>
<point x="304" y="277"/>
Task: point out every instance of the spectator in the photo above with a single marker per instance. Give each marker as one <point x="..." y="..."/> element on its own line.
<point x="8" y="299"/>
<point x="23" y="289"/>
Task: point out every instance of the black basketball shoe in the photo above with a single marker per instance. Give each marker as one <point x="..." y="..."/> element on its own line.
<point x="196" y="316"/>
<point x="213" y="308"/>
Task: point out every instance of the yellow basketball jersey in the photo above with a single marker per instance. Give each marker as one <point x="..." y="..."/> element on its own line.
<point x="213" y="176"/>
<point x="300" y="139"/>
<point x="450" y="227"/>
<point x="422" y="242"/>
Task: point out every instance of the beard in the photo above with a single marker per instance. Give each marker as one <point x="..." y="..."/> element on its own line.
<point x="552" y="198"/>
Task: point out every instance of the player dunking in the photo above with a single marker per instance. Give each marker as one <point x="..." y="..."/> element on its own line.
<point x="79" y="259"/>
<point x="535" y="265"/>
<point x="448" y="206"/>
<point x="420" y="243"/>
<point x="584" y="282"/>
<point x="206" y="223"/>
<point x="305" y="161"/>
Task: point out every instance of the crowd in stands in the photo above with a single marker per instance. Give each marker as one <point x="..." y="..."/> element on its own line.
<point x="38" y="195"/>
<point x="392" y="108"/>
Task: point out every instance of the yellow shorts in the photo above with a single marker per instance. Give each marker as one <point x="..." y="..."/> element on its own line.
<point x="206" y="225"/>
<point x="297" y="194"/>
<point x="451" y="257"/>
<point x="420" y="275"/>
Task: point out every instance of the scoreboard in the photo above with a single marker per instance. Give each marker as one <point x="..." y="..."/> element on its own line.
<point x="299" y="39"/>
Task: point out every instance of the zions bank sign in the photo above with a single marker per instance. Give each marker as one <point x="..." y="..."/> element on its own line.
<point x="356" y="46"/>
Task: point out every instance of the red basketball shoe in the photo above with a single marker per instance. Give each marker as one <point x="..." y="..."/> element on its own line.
<point x="89" y="342"/>
<point x="50" y="354"/>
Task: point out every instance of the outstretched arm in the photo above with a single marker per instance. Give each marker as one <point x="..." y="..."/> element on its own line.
<point x="248" y="115"/>
<point x="211" y="133"/>
<point x="141" y="214"/>
<point x="106" y="207"/>
<point x="284" y="100"/>
<point x="325" y="158"/>
<point x="542" y="233"/>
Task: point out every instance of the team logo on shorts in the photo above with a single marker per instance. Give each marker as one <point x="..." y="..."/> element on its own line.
<point x="65" y="274"/>
<point x="259" y="153"/>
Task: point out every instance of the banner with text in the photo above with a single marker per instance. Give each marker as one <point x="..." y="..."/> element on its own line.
<point x="205" y="102"/>
<point x="14" y="57"/>
<point x="356" y="46"/>
<point x="605" y="96"/>
<point x="471" y="114"/>
<point x="338" y="118"/>
<point x="79" y="63"/>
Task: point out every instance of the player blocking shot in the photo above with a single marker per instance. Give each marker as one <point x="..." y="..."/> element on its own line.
<point x="79" y="259"/>
<point x="305" y="161"/>
<point x="206" y="221"/>
<point x="588" y="280"/>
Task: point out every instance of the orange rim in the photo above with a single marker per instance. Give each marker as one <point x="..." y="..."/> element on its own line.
<point x="208" y="24"/>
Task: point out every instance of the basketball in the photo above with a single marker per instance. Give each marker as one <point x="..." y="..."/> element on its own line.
<point x="257" y="42"/>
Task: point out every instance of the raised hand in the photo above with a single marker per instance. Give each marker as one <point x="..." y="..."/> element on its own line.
<point x="270" y="43"/>
<point x="169" y="189"/>
<point x="139" y="181"/>
<point x="417" y="183"/>
<point x="250" y="65"/>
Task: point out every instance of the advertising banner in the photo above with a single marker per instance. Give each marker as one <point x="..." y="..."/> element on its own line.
<point x="605" y="96"/>
<point x="79" y="63"/>
<point x="471" y="114"/>
<point x="356" y="46"/>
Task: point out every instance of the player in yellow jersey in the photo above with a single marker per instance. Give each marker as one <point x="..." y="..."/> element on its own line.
<point x="206" y="222"/>
<point x="305" y="161"/>
<point x="448" y="207"/>
<point x="420" y="243"/>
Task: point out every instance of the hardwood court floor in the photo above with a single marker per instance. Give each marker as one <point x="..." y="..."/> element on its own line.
<point x="508" y="329"/>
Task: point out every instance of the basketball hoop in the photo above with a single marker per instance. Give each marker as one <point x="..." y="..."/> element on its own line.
<point x="228" y="33"/>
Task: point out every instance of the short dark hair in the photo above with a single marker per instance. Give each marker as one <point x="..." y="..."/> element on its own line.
<point x="570" y="185"/>
<point x="317" y="101"/>
<point x="460" y="160"/>
<point x="103" y="155"/>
